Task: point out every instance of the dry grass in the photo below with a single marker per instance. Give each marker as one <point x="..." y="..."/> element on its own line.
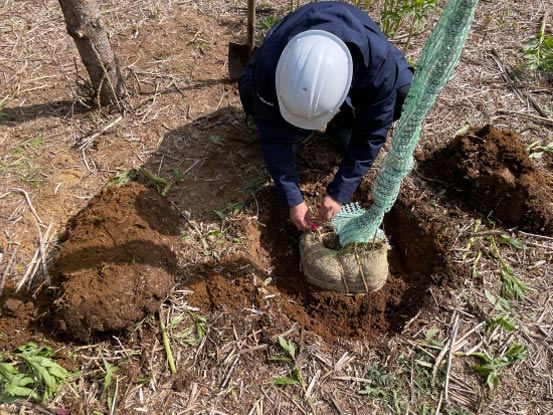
<point x="173" y="54"/>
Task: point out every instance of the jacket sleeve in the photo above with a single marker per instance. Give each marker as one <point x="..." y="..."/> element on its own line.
<point x="374" y="111"/>
<point x="279" y="143"/>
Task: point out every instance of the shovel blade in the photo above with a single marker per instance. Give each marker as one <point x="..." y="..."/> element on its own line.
<point x="238" y="57"/>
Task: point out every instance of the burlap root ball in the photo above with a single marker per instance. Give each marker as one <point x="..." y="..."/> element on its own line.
<point x="356" y="268"/>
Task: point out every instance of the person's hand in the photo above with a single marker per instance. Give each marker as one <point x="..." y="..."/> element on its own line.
<point x="329" y="208"/>
<point x="299" y="215"/>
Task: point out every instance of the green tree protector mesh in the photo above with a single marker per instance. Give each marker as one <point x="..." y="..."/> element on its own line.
<point x="437" y="62"/>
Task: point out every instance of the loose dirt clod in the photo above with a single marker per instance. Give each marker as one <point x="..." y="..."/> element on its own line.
<point x="116" y="264"/>
<point x="491" y="172"/>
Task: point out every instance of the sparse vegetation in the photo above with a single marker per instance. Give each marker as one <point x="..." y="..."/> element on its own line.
<point x="31" y="373"/>
<point x="289" y="357"/>
<point x="492" y="367"/>
<point x="538" y="50"/>
<point x="414" y="13"/>
<point x="242" y="330"/>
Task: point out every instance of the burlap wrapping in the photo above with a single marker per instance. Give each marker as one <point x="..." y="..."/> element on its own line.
<point x="354" y="269"/>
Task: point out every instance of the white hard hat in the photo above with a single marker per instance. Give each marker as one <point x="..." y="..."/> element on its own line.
<point x="313" y="77"/>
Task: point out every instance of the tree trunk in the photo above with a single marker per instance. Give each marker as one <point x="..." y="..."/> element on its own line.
<point x="85" y="25"/>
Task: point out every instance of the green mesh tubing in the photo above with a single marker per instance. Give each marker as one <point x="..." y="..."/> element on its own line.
<point x="437" y="62"/>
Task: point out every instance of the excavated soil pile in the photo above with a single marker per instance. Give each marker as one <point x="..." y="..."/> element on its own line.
<point x="491" y="172"/>
<point x="116" y="262"/>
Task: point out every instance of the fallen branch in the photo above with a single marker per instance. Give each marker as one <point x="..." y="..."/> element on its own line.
<point x="87" y="141"/>
<point x="450" y="355"/>
<point x="42" y="239"/>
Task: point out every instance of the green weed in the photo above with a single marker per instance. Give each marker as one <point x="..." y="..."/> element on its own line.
<point x="229" y="210"/>
<point x="37" y="141"/>
<point x="178" y="175"/>
<point x="538" y="50"/>
<point x="167" y="345"/>
<point x="109" y="376"/>
<point x="504" y="308"/>
<point x="194" y="337"/>
<point x="491" y="367"/>
<point x="268" y="22"/>
<point x="396" y="12"/>
<point x="3" y="115"/>
<point x="162" y="185"/>
<point x="288" y="357"/>
<point x="430" y="337"/>
<point x="386" y="387"/>
<point x="32" y="373"/>
<point x="418" y="10"/>
<point x="123" y="178"/>
<point x="255" y="184"/>
<point x="535" y="150"/>
<point x="512" y="286"/>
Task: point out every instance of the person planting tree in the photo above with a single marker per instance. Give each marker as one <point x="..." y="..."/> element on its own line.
<point x="325" y="63"/>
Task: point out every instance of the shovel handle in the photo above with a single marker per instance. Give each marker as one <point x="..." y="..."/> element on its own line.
<point x="251" y="25"/>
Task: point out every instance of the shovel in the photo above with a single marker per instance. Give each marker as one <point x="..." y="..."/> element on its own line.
<point x="238" y="53"/>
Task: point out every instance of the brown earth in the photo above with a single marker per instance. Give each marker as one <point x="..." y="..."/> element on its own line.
<point x="116" y="261"/>
<point x="489" y="169"/>
<point x="185" y="115"/>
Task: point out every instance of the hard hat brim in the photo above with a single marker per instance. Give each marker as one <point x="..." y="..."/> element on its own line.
<point x="312" y="124"/>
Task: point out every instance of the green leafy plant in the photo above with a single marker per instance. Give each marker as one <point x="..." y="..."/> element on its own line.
<point x="268" y="22"/>
<point x="288" y="357"/>
<point x="384" y="386"/>
<point x="538" y="50"/>
<point x="14" y="385"/>
<point x="418" y="10"/>
<point x="109" y="376"/>
<point x="230" y="210"/>
<point x="535" y="150"/>
<point x="363" y="4"/>
<point x="194" y="337"/>
<point x="396" y="12"/>
<point x="32" y="373"/>
<point x="491" y="367"/>
<point x="512" y="286"/>
<point x="122" y="178"/>
<point x="167" y="345"/>
<point x="178" y="175"/>
<point x="255" y="184"/>
<point x="504" y="307"/>
<point x="2" y="113"/>
<point x="430" y="337"/>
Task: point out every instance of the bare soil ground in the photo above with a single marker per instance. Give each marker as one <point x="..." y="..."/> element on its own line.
<point x="89" y="269"/>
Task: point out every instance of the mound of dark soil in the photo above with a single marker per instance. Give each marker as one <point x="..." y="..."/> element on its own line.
<point x="116" y="263"/>
<point x="491" y="172"/>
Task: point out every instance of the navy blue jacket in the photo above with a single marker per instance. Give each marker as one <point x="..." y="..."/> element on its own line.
<point x="379" y="69"/>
